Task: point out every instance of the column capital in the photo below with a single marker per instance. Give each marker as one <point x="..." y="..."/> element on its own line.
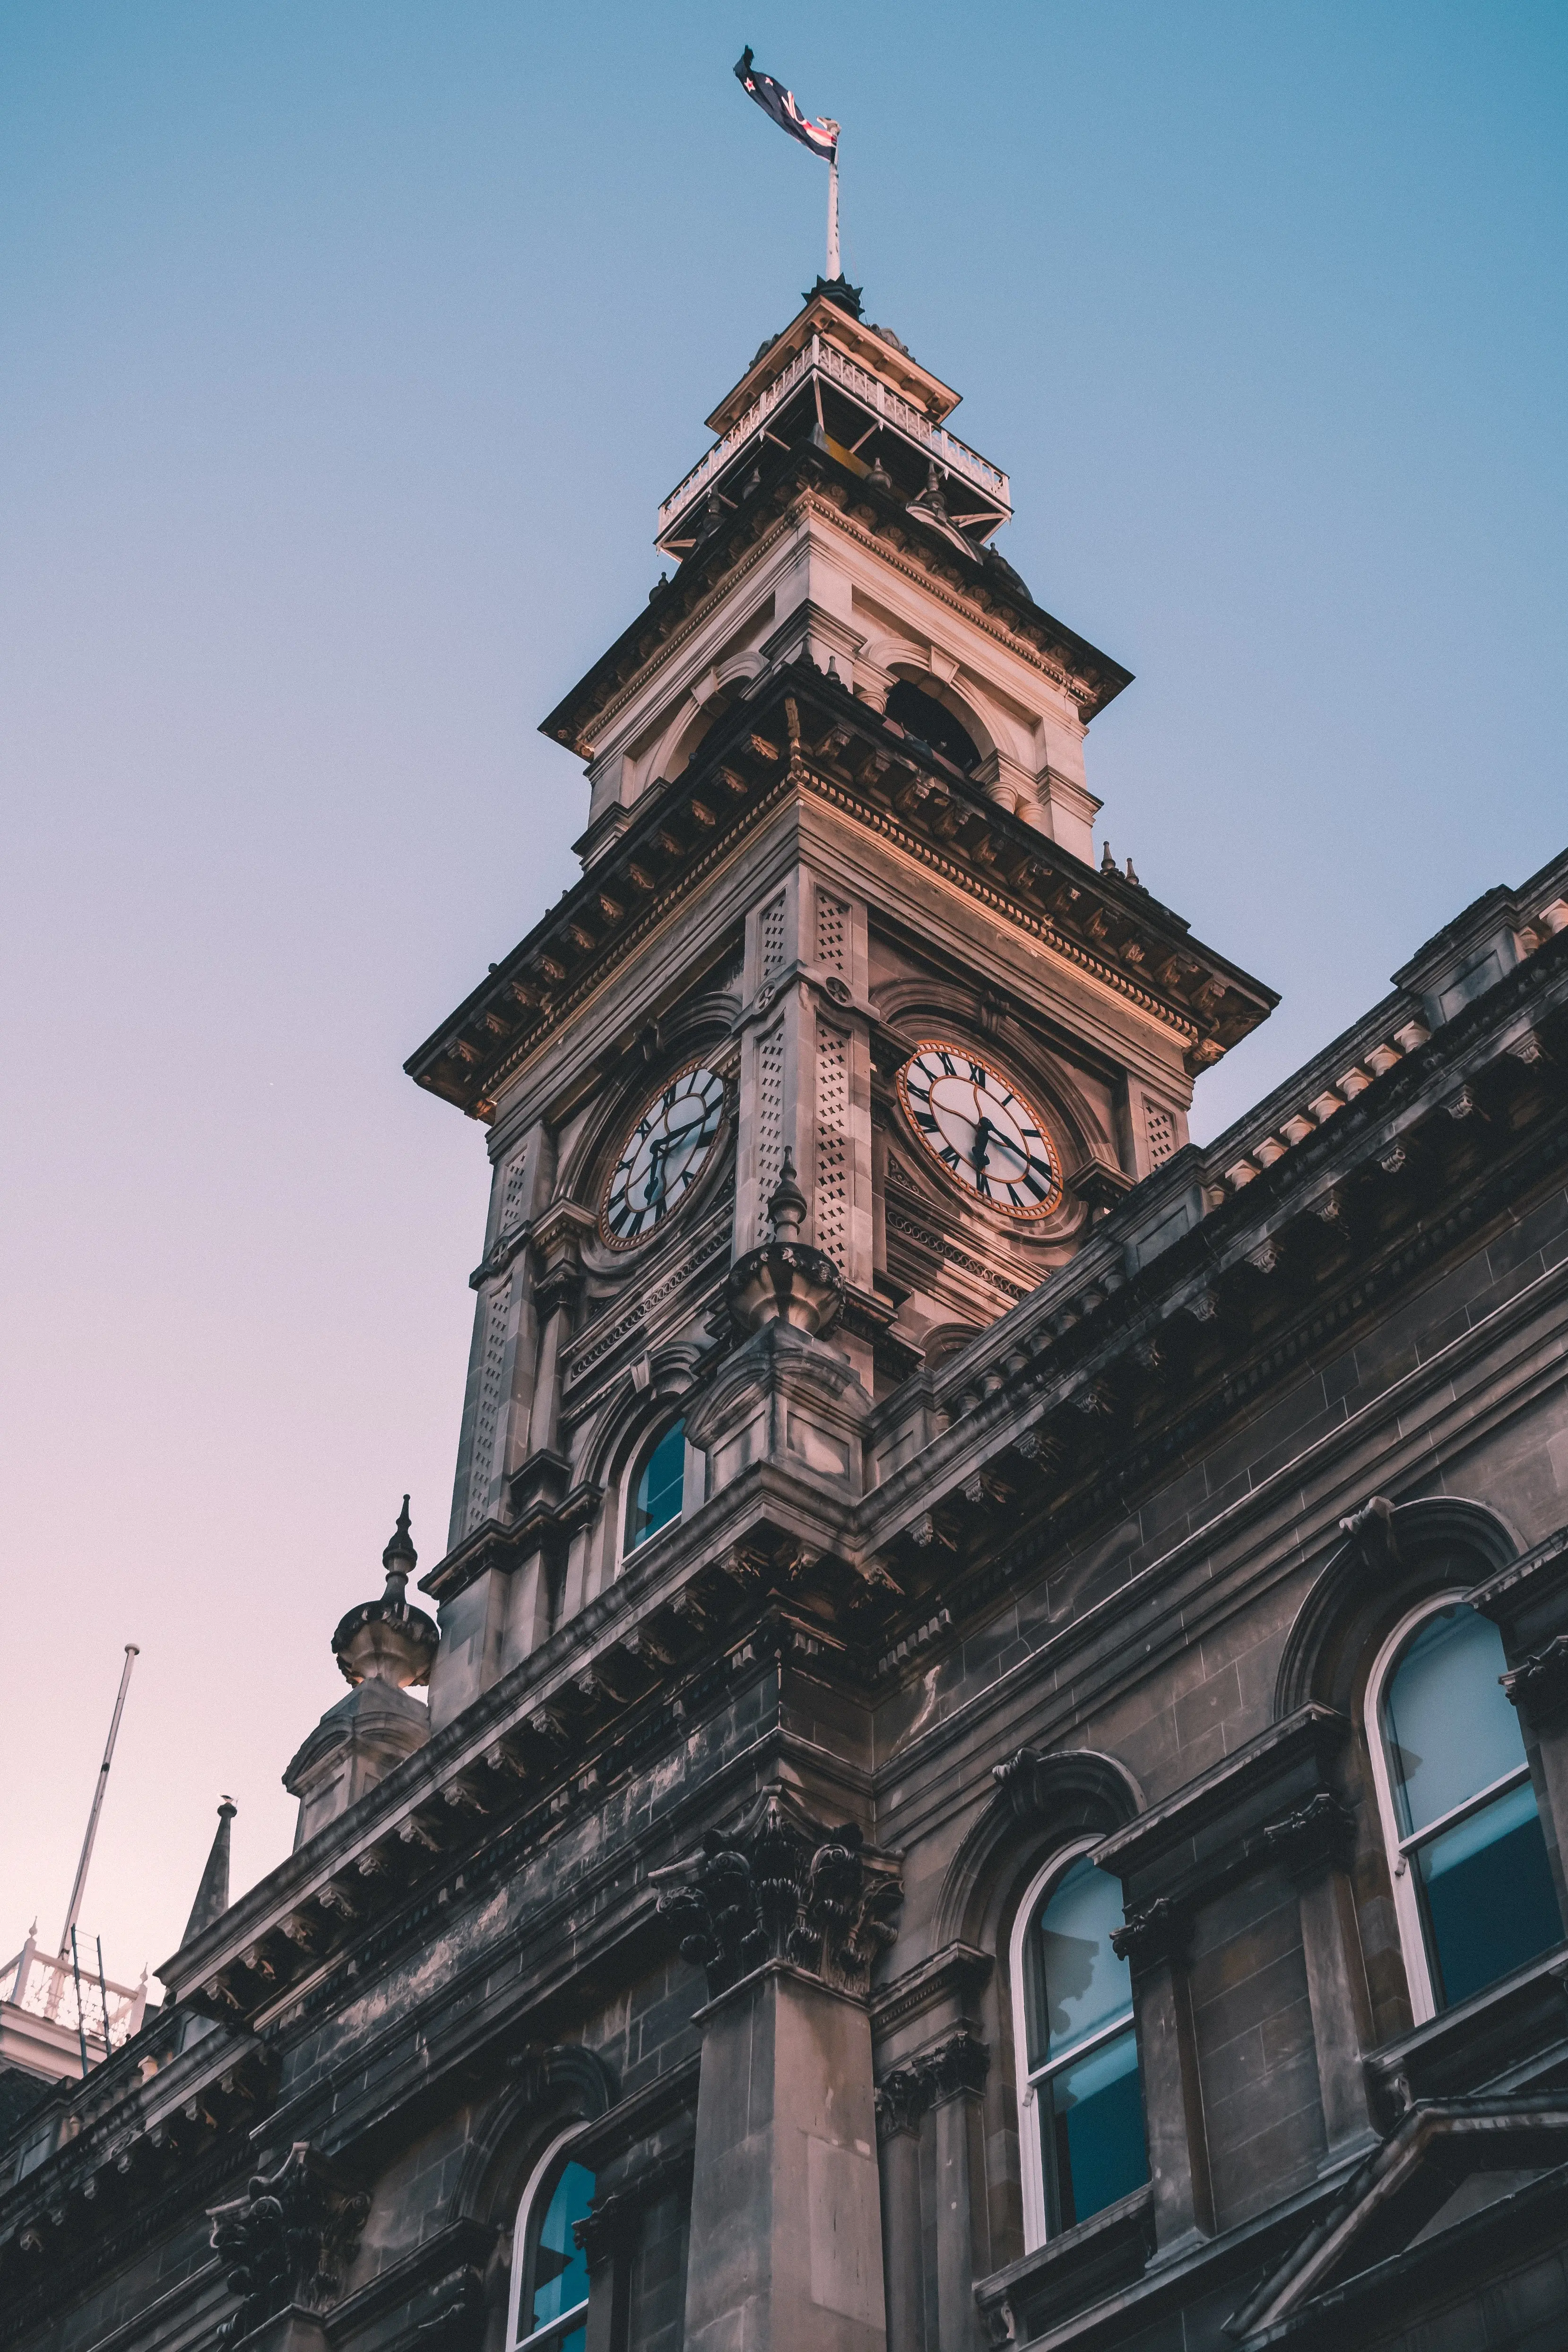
<point x="783" y="1887"/>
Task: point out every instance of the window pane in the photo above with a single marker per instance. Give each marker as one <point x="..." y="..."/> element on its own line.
<point x="660" y="1488"/>
<point x="559" y="2281"/>
<point x="1490" y="1905"/>
<point x="1447" y="1723"/>
<point x="1094" y="2113"/>
<point x="1078" y="1984"/>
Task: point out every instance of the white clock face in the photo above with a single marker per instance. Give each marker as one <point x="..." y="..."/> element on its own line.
<point x="662" y="1157"/>
<point x="982" y="1130"/>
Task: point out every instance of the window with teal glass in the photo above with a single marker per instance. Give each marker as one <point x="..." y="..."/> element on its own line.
<point x="550" y="2269"/>
<point x="1472" y="1884"/>
<point x="1080" y="2101"/>
<point x="659" y="1491"/>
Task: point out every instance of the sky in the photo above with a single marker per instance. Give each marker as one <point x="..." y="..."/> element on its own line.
<point x="345" y="353"/>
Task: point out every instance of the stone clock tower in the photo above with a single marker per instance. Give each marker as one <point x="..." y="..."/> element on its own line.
<point x="996" y="1764"/>
<point x="839" y="922"/>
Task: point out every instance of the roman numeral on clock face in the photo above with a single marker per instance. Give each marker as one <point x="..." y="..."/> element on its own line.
<point x="982" y="1132"/>
<point x="664" y="1154"/>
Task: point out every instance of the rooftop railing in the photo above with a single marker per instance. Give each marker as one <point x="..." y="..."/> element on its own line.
<point x="43" y="1986"/>
<point x="955" y="456"/>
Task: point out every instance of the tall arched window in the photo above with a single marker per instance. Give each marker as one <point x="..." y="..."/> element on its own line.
<point x="1080" y="2107"/>
<point x="659" y="1490"/>
<point x="549" y="2304"/>
<point x="919" y="713"/>
<point x="1472" y="1887"/>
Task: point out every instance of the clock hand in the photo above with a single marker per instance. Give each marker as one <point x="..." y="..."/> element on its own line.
<point x="979" y="1151"/>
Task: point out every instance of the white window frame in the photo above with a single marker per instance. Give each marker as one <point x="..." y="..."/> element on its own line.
<point x="1031" y="2157"/>
<point x="541" y="2338"/>
<point x="1396" y="1844"/>
<point x="692" y="1474"/>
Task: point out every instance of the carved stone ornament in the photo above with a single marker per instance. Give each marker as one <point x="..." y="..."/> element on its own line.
<point x="1539" y="1683"/>
<point x="916" y="2084"/>
<point x="1373" y="1531"/>
<point x="786" y="1280"/>
<point x="287" y="2240"/>
<point x="1155" y="1933"/>
<point x="458" y="2322"/>
<point x="1320" y="1831"/>
<point x="783" y="1888"/>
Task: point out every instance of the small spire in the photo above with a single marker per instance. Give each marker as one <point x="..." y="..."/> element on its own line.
<point x="1108" y="863"/>
<point x="400" y="1560"/>
<point x="786" y="1206"/>
<point x="212" y="1894"/>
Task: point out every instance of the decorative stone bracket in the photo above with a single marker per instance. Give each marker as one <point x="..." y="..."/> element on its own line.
<point x="1539" y="1683"/>
<point x="1317" y="1834"/>
<point x="287" y="2240"/>
<point x="783" y="1888"/>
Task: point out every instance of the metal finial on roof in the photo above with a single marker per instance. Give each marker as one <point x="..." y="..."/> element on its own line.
<point x="400" y="1560"/>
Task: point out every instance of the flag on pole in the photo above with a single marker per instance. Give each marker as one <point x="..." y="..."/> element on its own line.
<point x="822" y="138"/>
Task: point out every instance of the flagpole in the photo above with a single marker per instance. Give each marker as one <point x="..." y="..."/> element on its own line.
<point x="834" y="269"/>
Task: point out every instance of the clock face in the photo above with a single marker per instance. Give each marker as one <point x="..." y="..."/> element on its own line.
<point x="982" y="1131"/>
<point x="662" y="1157"/>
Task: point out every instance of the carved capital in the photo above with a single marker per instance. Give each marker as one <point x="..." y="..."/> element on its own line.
<point x="783" y="1887"/>
<point x="909" y="2089"/>
<point x="903" y="2096"/>
<point x="287" y="2240"/>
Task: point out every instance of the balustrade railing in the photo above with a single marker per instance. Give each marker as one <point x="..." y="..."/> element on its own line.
<point x="954" y="455"/>
<point x="41" y="1985"/>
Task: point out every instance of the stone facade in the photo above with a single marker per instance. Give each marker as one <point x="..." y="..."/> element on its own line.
<point x="668" y="1984"/>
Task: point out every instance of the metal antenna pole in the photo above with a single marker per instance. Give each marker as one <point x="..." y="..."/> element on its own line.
<point x="132" y="1652"/>
<point x="80" y="2021"/>
<point x="103" y="1996"/>
<point x="833" y="264"/>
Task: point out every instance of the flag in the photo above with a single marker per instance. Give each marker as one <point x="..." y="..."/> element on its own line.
<point x="822" y="138"/>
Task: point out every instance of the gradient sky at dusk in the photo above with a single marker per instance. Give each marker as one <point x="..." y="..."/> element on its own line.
<point x="345" y="353"/>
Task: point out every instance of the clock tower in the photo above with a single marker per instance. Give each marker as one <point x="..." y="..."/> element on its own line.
<point x="841" y="983"/>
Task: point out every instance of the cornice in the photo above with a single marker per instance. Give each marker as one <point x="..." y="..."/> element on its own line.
<point x="1031" y="854"/>
<point x="721" y="592"/>
<point x="1039" y="926"/>
<point x="578" y="721"/>
<point x="618" y="950"/>
<point x="933" y="583"/>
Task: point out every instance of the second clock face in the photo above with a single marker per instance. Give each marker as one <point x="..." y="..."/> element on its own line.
<point x="662" y="1157"/>
<point x="982" y="1130"/>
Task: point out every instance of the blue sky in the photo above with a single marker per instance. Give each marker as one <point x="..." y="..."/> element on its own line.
<point x="345" y="353"/>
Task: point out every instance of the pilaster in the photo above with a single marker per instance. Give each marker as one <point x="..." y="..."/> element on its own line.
<point x="1529" y="1603"/>
<point x="786" y="1917"/>
<point x="806" y="1073"/>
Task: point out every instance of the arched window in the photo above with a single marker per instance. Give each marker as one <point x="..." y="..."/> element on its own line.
<point x="659" y="1490"/>
<point x="1080" y="2107"/>
<point x="549" y="2304"/>
<point x="920" y="714"/>
<point x="1472" y="1887"/>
